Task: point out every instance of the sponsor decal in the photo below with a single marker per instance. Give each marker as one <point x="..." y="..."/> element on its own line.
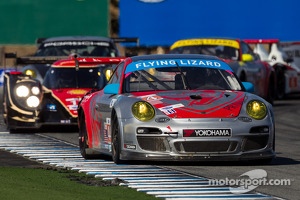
<point x="186" y="62"/>
<point x="112" y="102"/>
<point x="162" y="119"/>
<point x="76" y="43"/>
<point x="147" y="64"/>
<point x="168" y="110"/>
<point x="217" y="42"/>
<point x="220" y="132"/>
<point x="107" y="135"/>
<point x="72" y="103"/>
<point x="65" y="121"/>
<point x="151" y="97"/>
<point x="77" y="91"/>
<point x="169" y="127"/>
<point x="51" y="107"/>
<point x="129" y="146"/>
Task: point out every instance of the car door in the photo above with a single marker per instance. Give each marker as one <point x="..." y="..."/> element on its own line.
<point x="104" y="104"/>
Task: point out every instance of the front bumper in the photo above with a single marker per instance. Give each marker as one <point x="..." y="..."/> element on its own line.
<point x="249" y="141"/>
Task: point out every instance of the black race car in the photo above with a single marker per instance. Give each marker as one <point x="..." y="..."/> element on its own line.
<point x="31" y="104"/>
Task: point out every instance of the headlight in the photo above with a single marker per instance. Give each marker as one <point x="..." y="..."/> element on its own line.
<point x="35" y="90"/>
<point x="22" y="91"/>
<point x="30" y="72"/>
<point x="256" y="109"/>
<point x="33" y="102"/>
<point x="143" y="111"/>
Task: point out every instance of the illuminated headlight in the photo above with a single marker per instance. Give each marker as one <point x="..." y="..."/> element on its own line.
<point x="32" y="101"/>
<point x="35" y="90"/>
<point x="143" y="111"/>
<point x="256" y="109"/>
<point x="22" y="91"/>
<point x="30" y="72"/>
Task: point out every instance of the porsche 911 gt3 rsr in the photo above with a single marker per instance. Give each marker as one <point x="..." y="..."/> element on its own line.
<point x="241" y="58"/>
<point x="176" y="107"/>
<point x="31" y="104"/>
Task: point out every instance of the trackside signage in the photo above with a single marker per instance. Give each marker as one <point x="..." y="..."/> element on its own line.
<point x="144" y="64"/>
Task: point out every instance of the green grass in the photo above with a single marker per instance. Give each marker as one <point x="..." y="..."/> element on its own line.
<point x="30" y="184"/>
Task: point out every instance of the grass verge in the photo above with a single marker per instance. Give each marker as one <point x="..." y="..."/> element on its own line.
<point x="49" y="184"/>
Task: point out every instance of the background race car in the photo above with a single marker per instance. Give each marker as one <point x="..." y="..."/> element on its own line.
<point x="241" y="58"/>
<point x="31" y="104"/>
<point x="176" y="107"/>
<point x="55" y="48"/>
<point x="287" y="72"/>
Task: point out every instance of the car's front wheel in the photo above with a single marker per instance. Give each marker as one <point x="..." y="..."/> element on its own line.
<point x="280" y="86"/>
<point x="116" y="141"/>
<point x="83" y="139"/>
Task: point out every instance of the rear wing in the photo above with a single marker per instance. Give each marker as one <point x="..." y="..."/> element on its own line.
<point x="33" y="59"/>
<point x="261" y="41"/>
<point x="269" y="50"/>
<point x="79" y="61"/>
<point x="116" y="40"/>
<point x="127" y="40"/>
<point x="263" y="47"/>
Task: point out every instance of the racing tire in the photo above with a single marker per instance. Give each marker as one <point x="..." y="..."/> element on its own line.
<point x="280" y="83"/>
<point x="83" y="140"/>
<point x="116" y="141"/>
<point x="271" y="96"/>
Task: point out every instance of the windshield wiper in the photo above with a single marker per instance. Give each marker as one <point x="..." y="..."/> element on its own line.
<point x="186" y="85"/>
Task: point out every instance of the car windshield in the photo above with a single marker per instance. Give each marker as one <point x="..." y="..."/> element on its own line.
<point x="180" y="78"/>
<point x="221" y="51"/>
<point x="57" y="78"/>
<point x="83" y="48"/>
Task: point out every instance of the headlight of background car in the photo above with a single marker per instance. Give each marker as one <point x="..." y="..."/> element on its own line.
<point x="256" y="109"/>
<point x="27" y="95"/>
<point x="143" y="111"/>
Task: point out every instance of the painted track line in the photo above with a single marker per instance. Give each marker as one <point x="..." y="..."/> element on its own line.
<point x="153" y="180"/>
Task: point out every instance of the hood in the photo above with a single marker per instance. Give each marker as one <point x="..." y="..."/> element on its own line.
<point x="69" y="98"/>
<point x="196" y="103"/>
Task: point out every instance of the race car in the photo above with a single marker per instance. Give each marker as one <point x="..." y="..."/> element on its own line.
<point x="54" y="48"/>
<point x="176" y="107"/>
<point x="241" y="58"/>
<point x="286" y="70"/>
<point x="32" y="105"/>
<point x="292" y="49"/>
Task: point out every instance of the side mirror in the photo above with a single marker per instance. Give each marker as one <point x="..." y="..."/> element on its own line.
<point x="112" y="88"/>
<point x="248" y="86"/>
<point x="247" y="57"/>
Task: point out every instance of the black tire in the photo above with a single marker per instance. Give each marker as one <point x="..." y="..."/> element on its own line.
<point x="280" y="83"/>
<point x="271" y="96"/>
<point x="83" y="139"/>
<point x="116" y="141"/>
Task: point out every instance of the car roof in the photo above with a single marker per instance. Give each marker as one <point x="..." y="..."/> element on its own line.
<point x="77" y="38"/>
<point x="173" y="56"/>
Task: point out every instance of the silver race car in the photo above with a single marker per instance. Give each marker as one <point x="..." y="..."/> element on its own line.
<point x="176" y="107"/>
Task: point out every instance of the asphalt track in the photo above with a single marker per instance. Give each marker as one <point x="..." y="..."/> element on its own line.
<point x="285" y="166"/>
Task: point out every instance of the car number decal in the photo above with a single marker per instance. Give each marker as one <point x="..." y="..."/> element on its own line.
<point x="170" y="109"/>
